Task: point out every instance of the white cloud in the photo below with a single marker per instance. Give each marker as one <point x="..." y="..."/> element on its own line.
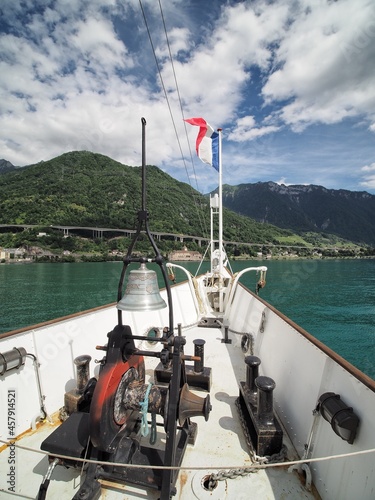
<point x="218" y="71"/>
<point x="179" y="43"/>
<point x="246" y="129"/>
<point x="324" y="80"/>
<point x="282" y="181"/>
<point x="72" y="78"/>
<point x="368" y="168"/>
<point x="368" y="181"/>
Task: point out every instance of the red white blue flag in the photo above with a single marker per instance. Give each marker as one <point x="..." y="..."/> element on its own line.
<point x="207" y="144"/>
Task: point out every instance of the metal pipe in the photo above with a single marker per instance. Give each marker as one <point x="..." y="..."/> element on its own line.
<point x="190" y="281"/>
<point x="143" y="120"/>
<point x="230" y="296"/>
<point x="43" y="410"/>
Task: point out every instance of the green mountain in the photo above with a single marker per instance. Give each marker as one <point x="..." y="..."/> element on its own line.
<point x="87" y="189"/>
<point x="346" y="214"/>
<point x="6" y="166"/>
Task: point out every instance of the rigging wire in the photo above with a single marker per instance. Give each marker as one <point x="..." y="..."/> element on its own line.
<point x="178" y="90"/>
<point x="283" y="464"/>
<point x="201" y="219"/>
<point x="203" y="224"/>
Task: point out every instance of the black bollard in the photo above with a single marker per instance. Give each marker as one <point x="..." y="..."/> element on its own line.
<point x="83" y="371"/>
<point x="265" y="386"/>
<point x="255" y="404"/>
<point x="252" y="372"/>
<point x="199" y="351"/>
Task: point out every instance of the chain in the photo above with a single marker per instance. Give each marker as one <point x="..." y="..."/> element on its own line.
<point x="235" y="332"/>
<point x="184" y="327"/>
<point x="245" y="429"/>
<point x="255" y="459"/>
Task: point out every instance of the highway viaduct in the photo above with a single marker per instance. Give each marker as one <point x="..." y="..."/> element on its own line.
<point x="97" y="232"/>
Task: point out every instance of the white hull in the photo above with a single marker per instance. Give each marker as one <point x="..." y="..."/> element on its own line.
<point x="302" y="368"/>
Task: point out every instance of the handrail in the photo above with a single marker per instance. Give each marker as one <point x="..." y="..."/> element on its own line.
<point x="191" y="285"/>
<point x="237" y="276"/>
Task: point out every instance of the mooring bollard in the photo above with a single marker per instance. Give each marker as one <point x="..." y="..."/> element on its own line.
<point x="265" y="386"/>
<point x="255" y="403"/>
<point x="252" y="372"/>
<point x="83" y="371"/>
<point x="199" y="351"/>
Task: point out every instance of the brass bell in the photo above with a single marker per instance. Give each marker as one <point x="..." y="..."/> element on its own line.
<point x="192" y="405"/>
<point x="142" y="291"/>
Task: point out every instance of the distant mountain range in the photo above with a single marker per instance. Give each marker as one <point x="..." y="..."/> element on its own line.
<point x="348" y="214"/>
<point x="89" y="189"/>
<point x="6" y="166"/>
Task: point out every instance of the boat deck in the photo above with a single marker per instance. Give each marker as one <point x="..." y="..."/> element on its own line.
<point x="220" y="443"/>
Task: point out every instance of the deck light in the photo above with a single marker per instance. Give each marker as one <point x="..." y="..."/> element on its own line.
<point x="12" y="359"/>
<point x="343" y="420"/>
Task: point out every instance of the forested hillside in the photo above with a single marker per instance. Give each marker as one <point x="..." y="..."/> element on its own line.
<point x="87" y="189"/>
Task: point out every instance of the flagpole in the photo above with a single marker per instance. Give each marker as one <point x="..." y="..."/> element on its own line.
<point x="220" y="207"/>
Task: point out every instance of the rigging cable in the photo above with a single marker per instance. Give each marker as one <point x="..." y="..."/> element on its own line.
<point x="205" y="230"/>
<point x="203" y="225"/>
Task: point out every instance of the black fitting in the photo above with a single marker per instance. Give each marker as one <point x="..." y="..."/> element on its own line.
<point x="343" y="420"/>
<point x="265" y="386"/>
<point x="83" y="371"/>
<point x="179" y="342"/>
<point x="142" y="215"/>
<point x="159" y="259"/>
<point x="252" y="372"/>
<point x="199" y="351"/>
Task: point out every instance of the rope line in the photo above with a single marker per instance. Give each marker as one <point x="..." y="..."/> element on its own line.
<point x="144" y="409"/>
<point x="201" y="218"/>
<point x="172" y="467"/>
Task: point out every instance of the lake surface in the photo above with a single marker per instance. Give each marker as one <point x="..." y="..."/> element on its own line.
<point x="334" y="300"/>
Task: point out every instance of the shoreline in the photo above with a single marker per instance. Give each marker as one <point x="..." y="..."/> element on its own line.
<point x="231" y="259"/>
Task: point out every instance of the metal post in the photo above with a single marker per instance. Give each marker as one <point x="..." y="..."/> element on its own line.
<point x="252" y="371"/>
<point x="83" y="371"/>
<point x="265" y="386"/>
<point x="199" y="351"/>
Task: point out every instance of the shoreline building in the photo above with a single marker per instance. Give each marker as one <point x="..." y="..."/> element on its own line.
<point x="185" y="255"/>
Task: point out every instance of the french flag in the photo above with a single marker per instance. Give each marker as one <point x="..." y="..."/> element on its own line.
<point x="207" y="144"/>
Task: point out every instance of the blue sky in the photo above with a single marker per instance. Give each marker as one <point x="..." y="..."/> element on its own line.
<point x="291" y="83"/>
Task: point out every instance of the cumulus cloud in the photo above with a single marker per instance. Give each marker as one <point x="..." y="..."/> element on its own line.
<point x="80" y="75"/>
<point x="368" y="181"/>
<point x="326" y="64"/>
<point x="246" y="130"/>
<point x="282" y="181"/>
<point x="368" y="168"/>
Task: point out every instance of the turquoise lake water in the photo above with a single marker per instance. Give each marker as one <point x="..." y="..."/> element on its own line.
<point x="334" y="300"/>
